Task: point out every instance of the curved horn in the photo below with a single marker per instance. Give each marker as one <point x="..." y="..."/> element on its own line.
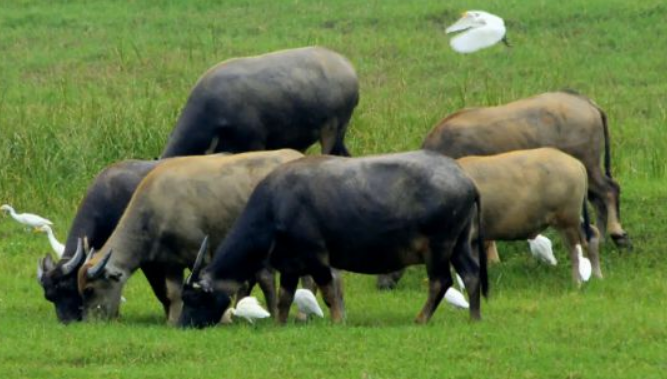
<point x="76" y="261"/>
<point x="194" y="275"/>
<point x="45" y="264"/>
<point x="97" y="270"/>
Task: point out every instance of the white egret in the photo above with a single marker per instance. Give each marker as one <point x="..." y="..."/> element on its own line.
<point x="456" y="298"/>
<point x="541" y="249"/>
<point x="307" y="303"/>
<point x="478" y="29"/>
<point x="28" y="219"/>
<point x="585" y="269"/>
<point x="57" y="247"/>
<point x="249" y="309"/>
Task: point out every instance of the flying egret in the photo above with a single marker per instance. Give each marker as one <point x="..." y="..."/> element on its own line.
<point x="57" y="247"/>
<point x="249" y="309"/>
<point x="584" y="265"/>
<point x="456" y="298"/>
<point x="307" y="303"/>
<point x="27" y="219"/>
<point x="540" y="247"/>
<point x="479" y="30"/>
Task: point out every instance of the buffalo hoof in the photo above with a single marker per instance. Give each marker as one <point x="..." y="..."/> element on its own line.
<point x="386" y="283"/>
<point x="622" y="241"/>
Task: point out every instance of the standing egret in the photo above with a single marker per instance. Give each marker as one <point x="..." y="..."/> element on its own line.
<point x="456" y="298"/>
<point x="479" y="30"/>
<point x="57" y="247"/>
<point x="249" y="309"/>
<point x="307" y="303"/>
<point x="540" y="247"/>
<point x="27" y="219"/>
<point x="584" y="265"/>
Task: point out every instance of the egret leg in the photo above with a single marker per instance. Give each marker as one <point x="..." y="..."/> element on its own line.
<point x="288" y="283"/>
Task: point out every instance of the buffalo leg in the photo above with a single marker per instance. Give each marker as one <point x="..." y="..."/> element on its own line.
<point x="174" y="281"/>
<point x="389" y="281"/>
<point x="155" y="275"/>
<point x="491" y="252"/>
<point x="594" y="252"/>
<point x="572" y="238"/>
<point x="439" y="278"/>
<point x="604" y="194"/>
<point x="469" y="269"/>
<point x="331" y="291"/>
<point x="288" y="283"/>
<point x="267" y="282"/>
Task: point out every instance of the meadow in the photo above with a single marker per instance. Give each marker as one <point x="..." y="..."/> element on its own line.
<point x="85" y="84"/>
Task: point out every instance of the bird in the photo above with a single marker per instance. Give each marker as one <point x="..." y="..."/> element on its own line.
<point x="540" y="247"/>
<point x="456" y="298"/>
<point x="27" y="219"/>
<point x="306" y="302"/>
<point x="479" y="30"/>
<point x="249" y="309"/>
<point x="584" y="264"/>
<point x="57" y="247"/>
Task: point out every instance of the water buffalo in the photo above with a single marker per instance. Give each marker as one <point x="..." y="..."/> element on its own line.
<point x="96" y="217"/>
<point x="174" y="207"/>
<point x="567" y="121"/>
<point x="367" y="215"/>
<point x="524" y="192"/>
<point x="285" y="99"/>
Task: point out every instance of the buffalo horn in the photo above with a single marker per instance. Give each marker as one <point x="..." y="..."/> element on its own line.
<point x="198" y="262"/>
<point x="76" y="261"/>
<point x="97" y="270"/>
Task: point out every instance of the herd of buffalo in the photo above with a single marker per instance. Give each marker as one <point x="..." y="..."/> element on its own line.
<point x="482" y="174"/>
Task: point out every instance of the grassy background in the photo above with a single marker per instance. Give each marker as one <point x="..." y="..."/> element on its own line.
<point x="84" y="84"/>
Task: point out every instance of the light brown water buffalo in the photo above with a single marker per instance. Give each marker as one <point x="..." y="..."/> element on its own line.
<point x="564" y="120"/>
<point x="285" y="99"/>
<point x="175" y="206"/>
<point x="524" y="192"/>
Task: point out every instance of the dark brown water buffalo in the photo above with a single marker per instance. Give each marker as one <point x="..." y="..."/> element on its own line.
<point x="174" y="207"/>
<point x="368" y="215"/>
<point x="96" y="218"/>
<point x="564" y="120"/>
<point x="285" y="99"/>
<point x="524" y="192"/>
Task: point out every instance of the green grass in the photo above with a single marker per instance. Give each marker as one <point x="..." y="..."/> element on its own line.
<point x="84" y="84"/>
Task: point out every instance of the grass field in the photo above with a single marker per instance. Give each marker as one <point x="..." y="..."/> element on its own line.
<point x="84" y="84"/>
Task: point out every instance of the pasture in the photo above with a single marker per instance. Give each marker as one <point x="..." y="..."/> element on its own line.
<point x="84" y="84"/>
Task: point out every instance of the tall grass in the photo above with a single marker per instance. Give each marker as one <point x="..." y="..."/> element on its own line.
<point x="84" y="84"/>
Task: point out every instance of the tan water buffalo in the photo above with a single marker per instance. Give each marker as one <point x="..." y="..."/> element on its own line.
<point x="174" y="207"/>
<point x="524" y="192"/>
<point x="564" y="120"/>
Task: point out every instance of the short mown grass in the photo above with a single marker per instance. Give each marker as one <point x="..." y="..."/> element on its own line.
<point x="84" y="84"/>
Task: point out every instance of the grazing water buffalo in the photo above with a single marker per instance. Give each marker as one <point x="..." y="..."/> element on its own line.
<point x="285" y="99"/>
<point x="95" y="219"/>
<point x="564" y="120"/>
<point x="174" y="207"/>
<point x="524" y="192"/>
<point x="368" y="215"/>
